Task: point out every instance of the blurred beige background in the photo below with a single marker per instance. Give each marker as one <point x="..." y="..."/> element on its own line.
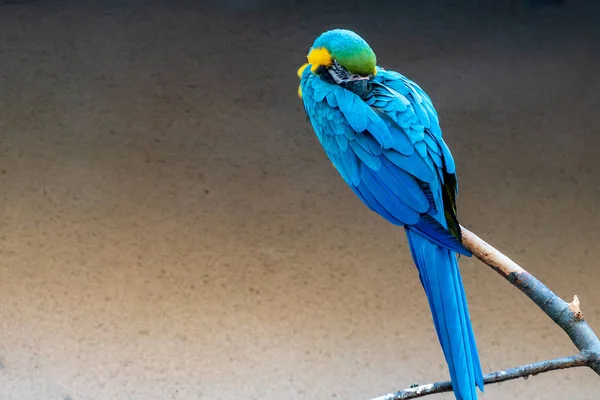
<point x="171" y="229"/>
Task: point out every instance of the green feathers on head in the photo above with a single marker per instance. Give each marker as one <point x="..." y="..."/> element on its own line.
<point x="349" y="50"/>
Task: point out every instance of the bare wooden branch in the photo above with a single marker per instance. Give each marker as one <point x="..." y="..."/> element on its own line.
<point x="524" y="372"/>
<point x="566" y="315"/>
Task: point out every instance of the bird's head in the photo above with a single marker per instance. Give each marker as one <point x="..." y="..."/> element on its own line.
<point x="343" y="55"/>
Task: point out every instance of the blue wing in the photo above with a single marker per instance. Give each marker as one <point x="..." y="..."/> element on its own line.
<point x="388" y="147"/>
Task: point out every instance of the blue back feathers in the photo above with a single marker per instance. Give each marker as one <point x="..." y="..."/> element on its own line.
<point x="389" y="144"/>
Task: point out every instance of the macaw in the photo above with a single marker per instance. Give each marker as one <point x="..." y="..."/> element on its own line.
<point x="382" y="134"/>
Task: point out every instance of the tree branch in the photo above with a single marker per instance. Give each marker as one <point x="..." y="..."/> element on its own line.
<point x="524" y="371"/>
<point x="566" y="315"/>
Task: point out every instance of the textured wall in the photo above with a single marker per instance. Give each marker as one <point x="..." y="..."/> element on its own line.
<point x="170" y="228"/>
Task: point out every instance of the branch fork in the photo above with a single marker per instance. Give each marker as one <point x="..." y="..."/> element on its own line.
<point x="568" y="316"/>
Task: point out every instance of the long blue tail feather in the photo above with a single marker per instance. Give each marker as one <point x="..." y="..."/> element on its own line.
<point x="440" y="277"/>
<point x="478" y="372"/>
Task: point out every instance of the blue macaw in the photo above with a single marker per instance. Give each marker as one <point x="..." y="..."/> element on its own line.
<point x="382" y="133"/>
